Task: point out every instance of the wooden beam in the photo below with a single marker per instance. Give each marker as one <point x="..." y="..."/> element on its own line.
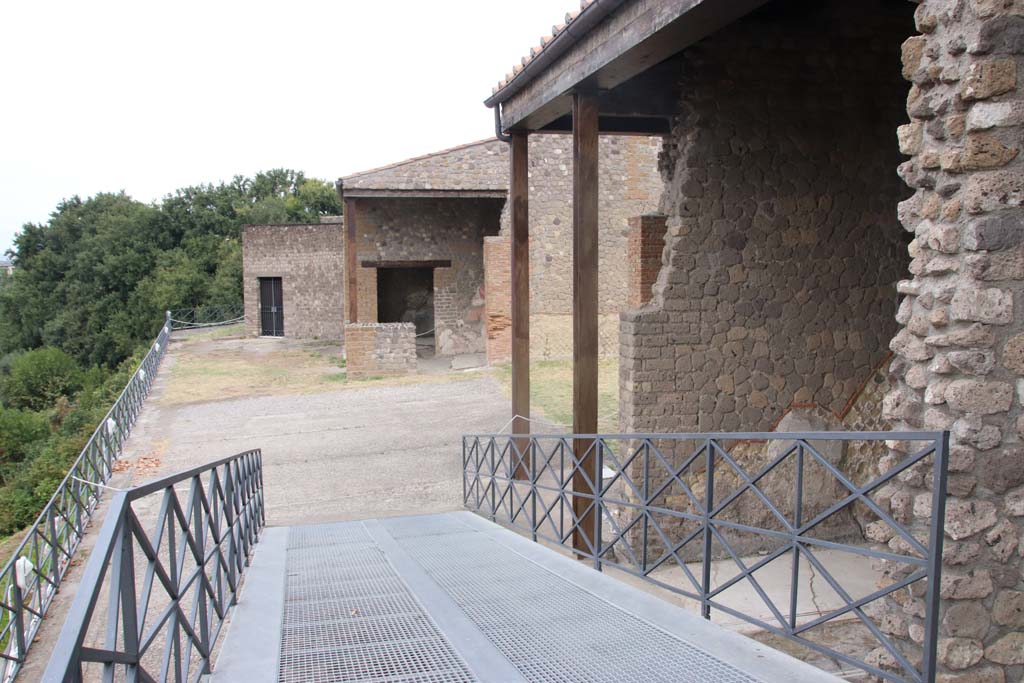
<point x="584" y="312"/>
<point x="437" y="263"/>
<point x="350" y="261"/>
<point x="519" y="195"/>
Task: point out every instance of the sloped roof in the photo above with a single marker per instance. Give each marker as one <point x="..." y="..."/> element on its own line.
<point x="480" y="166"/>
<point x="545" y="41"/>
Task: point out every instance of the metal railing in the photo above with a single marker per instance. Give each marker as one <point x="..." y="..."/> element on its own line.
<point x="167" y="590"/>
<point x="31" y="578"/>
<point x="206" y="316"/>
<point x="744" y="501"/>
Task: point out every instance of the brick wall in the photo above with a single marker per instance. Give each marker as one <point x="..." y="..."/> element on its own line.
<point x="309" y="259"/>
<point x="643" y="256"/>
<point x="379" y="349"/>
<point x="497" y="298"/>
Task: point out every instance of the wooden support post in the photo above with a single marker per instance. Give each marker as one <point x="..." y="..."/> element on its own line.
<point x="584" y="315"/>
<point x="519" y="195"/>
<point x="351" y="263"/>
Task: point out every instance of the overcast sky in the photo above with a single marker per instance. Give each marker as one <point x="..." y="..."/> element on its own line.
<point x="151" y="96"/>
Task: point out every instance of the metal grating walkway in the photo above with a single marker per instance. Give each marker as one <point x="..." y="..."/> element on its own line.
<point x="446" y="598"/>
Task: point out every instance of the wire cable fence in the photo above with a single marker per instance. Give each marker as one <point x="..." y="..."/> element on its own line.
<point x="158" y="589"/>
<point x="206" y="316"/>
<point x="742" y="524"/>
<point x="33" y="575"/>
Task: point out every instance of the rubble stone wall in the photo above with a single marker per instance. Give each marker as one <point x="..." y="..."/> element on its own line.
<point x="309" y="259"/>
<point x="960" y="348"/>
<point x="417" y="229"/>
<point x="379" y="349"/>
<point x="783" y="247"/>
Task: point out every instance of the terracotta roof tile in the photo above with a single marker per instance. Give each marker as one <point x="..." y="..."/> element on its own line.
<point x="544" y="42"/>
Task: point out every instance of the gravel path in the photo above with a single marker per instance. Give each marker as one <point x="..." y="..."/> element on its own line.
<point x="357" y="452"/>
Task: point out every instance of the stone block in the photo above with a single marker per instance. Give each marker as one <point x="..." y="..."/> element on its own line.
<point x="993" y="305"/>
<point x="991" y="233"/>
<point x="966" y="620"/>
<point x="989" y="78"/>
<point x="993" y="190"/>
<point x="960" y="653"/>
<point x="979" y="397"/>
<point x="985" y="151"/>
<point x="965" y="518"/>
<point x="1007" y="650"/>
<point x="987" y="115"/>
<point x="1008" y="609"/>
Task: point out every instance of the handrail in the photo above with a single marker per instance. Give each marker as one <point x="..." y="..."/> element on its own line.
<point x="206" y="316"/>
<point x="643" y="502"/>
<point x="30" y="579"/>
<point x="164" y="626"/>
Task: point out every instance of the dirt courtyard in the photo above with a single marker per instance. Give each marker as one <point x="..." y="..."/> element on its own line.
<point x="332" y="449"/>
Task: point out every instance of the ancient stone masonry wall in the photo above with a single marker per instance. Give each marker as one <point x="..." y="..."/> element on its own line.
<point x="960" y="349"/>
<point x="309" y="259"/>
<point x="783" y="249"/>
<point x="431" y="229"/>
<point x="379" y="349"/>
<point x="629" y="186"/>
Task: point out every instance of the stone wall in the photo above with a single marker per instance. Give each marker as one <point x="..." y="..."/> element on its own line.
<point x="417" y="229"/>
<point x="629" y="186"/>
<point x="783" y="248"/>
<point x="379" y="350"/>
<point x="309" y="259"/>
<point x="960" y="349"/>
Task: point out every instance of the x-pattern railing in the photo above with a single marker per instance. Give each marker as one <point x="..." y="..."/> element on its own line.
<point x="29" y="581"/>
<point x="168" y="582"/>
<point x="649" y="502"/>
<point x="206" y="316"/>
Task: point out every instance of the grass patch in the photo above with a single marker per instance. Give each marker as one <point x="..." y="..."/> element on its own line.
<point x="242" y="368"/>
<point x="551" y="392"/>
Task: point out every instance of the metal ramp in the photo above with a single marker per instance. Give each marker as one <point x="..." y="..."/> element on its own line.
<point x="452" y="598"/>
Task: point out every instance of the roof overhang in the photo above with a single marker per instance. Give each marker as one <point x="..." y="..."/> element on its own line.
<point x="610" y="53"/>
<point x="360" y="193"/>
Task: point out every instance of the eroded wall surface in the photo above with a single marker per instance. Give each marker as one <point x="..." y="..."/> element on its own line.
<point x="778" y="284"/>
<point x="420" y="229"/>
<point x="309" y="259"/>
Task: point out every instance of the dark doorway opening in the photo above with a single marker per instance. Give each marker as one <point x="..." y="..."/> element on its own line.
<point x="271" y="307"/>
<point x="406" y="295"/>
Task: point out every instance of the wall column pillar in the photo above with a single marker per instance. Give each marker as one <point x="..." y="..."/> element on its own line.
<point x="351" y="263"/>
<point x="584" y="314"/>
<point x="519" y="193"/>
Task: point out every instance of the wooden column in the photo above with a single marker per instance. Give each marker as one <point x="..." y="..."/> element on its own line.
<point x="519" y="196"/>
<point x="351" y="263"/>
<point x="584" y="310"/>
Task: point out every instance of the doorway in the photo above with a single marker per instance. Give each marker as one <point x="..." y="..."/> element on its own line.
<point x="406" y="295"/>
<point x="271" y="307"/>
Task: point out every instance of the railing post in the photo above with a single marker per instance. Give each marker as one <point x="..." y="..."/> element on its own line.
<point x="647" y="502"/>
<point x="709" y="502"/>
<point x="19" y="616"/>
<point x="798" y="504"/>
<point x="533" y="487"/>
<point x="598" y="501"/>
<point x="932" y="597"/>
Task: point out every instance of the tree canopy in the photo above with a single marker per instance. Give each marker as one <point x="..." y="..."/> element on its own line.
<point x="95" y="279"/>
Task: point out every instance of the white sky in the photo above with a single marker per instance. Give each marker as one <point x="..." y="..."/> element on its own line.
<point x="152" y="96"/>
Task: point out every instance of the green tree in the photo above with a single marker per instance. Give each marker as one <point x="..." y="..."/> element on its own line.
<point x="39" y="377"/>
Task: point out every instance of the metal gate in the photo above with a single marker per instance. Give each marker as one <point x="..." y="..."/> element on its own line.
<point x="271" y="307"/>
